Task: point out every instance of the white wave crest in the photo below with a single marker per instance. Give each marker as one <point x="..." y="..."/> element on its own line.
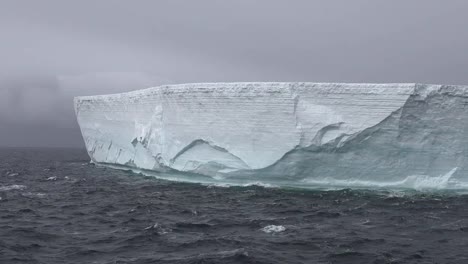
<point x="12" y="187"/>
<point x="273" y="229"/>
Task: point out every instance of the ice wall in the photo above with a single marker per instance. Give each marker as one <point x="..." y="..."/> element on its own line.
<point x="282" y="132"/>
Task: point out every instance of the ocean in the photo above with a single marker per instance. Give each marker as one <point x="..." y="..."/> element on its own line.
<point x="56" y="207"/>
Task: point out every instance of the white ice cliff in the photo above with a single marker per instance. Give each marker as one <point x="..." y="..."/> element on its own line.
<point x="301" y="133"/>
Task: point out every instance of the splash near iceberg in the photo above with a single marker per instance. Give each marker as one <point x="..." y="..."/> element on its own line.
<point x="286" y="134"/>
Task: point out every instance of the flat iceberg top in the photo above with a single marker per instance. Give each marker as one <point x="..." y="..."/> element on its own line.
<point x="228" y="129"/>
<point x="364" y="87"/>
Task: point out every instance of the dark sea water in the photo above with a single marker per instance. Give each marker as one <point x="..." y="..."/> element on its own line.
<point x="56" y="207"/>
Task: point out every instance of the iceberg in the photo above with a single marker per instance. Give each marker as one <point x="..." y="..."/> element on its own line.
<point x="286" y="134"/>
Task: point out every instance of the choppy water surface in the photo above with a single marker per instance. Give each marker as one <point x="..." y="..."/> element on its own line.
<point x="55" y="207"/>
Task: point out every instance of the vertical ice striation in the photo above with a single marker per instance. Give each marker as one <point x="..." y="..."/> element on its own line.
<point x="296" y="132"/>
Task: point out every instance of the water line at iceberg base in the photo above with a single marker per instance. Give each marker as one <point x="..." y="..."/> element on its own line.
<point x="411" y="183"/>
<point x="416" y="182"/>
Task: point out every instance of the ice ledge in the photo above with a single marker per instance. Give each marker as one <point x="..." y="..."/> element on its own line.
<point x="372" y="87"/>
<point x="212" y="128"/>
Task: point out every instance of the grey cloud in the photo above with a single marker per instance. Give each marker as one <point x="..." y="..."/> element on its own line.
<point x="52" y="50"/>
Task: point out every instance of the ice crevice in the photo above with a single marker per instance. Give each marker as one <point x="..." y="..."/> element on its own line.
<point x="326" y="134"/>
<point x="211" y="153"/>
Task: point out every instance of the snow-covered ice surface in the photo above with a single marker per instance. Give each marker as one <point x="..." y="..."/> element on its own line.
<point x="285" y="134"/>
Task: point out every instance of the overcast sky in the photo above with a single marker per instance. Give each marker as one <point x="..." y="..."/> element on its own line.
<point x="52" y="50"/>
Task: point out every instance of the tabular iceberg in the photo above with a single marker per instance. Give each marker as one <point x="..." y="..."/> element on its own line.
<point x="292" y="134"/>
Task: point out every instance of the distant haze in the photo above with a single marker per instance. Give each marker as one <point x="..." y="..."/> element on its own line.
<point x="52" y="50"/>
